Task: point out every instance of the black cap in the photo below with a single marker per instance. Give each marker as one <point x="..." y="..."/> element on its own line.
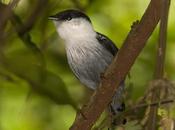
<point x="68" y="15"/>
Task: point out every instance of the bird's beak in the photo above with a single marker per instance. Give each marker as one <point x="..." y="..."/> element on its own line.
<point x="52" y="18"/>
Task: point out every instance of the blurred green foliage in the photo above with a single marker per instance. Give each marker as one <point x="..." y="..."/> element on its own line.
<point x="37" y="88"/>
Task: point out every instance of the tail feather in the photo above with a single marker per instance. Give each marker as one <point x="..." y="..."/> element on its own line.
<point x="117" y="106"/>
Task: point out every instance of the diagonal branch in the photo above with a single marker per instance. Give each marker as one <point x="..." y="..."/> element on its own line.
<point x="119" y="68"/>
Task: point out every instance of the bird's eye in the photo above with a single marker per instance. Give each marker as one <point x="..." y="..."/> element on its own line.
<point x="69" y="18"/>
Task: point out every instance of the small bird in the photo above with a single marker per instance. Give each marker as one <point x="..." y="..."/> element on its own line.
<point x="89" y="53"/>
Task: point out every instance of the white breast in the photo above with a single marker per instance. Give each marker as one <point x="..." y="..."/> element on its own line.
<point x="88" y="59"/>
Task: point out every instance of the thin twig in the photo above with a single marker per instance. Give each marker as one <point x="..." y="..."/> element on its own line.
<point x="161" y="51"/>
<point x="153" y="104"/>
<point x="159" y="72"/>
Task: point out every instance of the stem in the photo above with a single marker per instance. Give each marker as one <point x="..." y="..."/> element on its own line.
<point x="161" y="51"/>
<point x="159" y="72"/>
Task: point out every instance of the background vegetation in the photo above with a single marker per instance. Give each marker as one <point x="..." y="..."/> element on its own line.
<point x="37" y="89"/>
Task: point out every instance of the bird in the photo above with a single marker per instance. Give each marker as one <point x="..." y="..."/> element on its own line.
<point x="89" y="53"/>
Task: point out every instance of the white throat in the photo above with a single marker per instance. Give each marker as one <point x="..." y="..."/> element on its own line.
<point x="77" y="29"/>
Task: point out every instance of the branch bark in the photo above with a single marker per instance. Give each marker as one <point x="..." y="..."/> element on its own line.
<point x="119" y="68"/>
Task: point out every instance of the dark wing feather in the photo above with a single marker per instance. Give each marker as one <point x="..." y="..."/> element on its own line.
<point x="107" y="43"/>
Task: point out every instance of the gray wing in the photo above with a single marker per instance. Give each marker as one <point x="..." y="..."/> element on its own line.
<point x="107" y="43"/>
